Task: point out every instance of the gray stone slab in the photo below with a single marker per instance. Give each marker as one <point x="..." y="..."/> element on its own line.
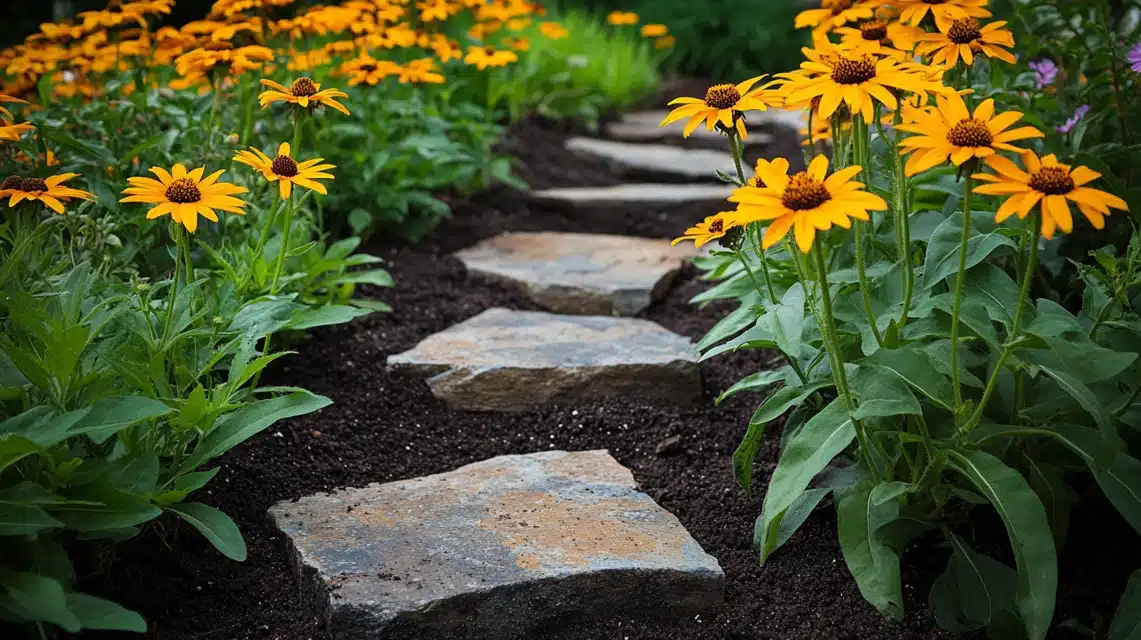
<point x="504" y="360"/>
<point x="495" y="549"/>
<point x="642" y="126"/>
<point x="633" y="194"/>
<point x="657" y="161"/>
<point x="580" y="273"/>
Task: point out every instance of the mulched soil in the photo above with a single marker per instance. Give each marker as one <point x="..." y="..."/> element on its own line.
<point x="385" y="427"/>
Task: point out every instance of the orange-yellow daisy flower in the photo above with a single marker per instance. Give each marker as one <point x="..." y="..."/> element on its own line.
<point x="1051" y="184"/>
<point x="304" y="93"/>
<point x="833" y="14"/>
<point x="185" y="195"/>
<point x="709" y="229"/>
<point x="856" y="79"/>
<point x="484" y="57"/>
<point x="49" y="191"/>
<point x="806" y="202"/>
<point x="722" y="107"/>
<point x="621" y="18"/>
<point x="12" y="131"/>
<point x="944" y="11"/>
<point x="949" y="131"/>
<point x="286" y="171"/>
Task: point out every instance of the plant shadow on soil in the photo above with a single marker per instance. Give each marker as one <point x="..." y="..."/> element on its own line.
<point x="384" y="427"/>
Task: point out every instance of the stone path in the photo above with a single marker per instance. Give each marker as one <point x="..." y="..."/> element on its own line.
<point x="643" y="126"/>
<point x="501" y="547"/>
<point x="504" y="360"/>
<point x="657" y="161"/>
<point x="580" y="273"/>
<point x="495" y="549"/>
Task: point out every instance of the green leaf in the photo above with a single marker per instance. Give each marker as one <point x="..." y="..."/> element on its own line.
<point x="872" y="562"/>
<point x="732" y="324"/>
<point x="1120" y="480"/>
<point x="1091" y="404"/>
<point x="973" y="591"/>
<point x="15" y="448"/>
<point x="794" y="517"/>
<point x="1049" y="483"/>
<point x="820" y="440"/>
<point x="916" y="369"/>
<point x="756" y="382"/>
<point x="786" y="322"/>
<point x="1028" y="530"/>
<point x="25" y="520"/>
<point x="1080" y="357"/>
<point x="97" y="613"/>
<point x="943" y="249"/>
<point x="218" y="528"/>
<point x="37" y="598"/>
<point x="237" y="427"/>
<point x="371" y="305"/>
<point x="1126" y="623"/>
<point x="110" y="415"/>
<point x="376" y="277"/>
<point x="325" y="316"/>
<point x="772" y="408"/>
<point x="881" y="393"/>
<point x="997" y="292"/>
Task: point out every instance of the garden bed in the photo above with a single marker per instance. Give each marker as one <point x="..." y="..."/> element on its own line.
<point x="384" y="427"/>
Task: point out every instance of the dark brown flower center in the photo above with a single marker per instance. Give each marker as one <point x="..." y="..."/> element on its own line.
<point x="12" y="182"/>
<point x="934" y="1"/>
<point x="964" y="31"/>
<point x="853" y="71"/>
<point x="183" y="191"/>
<point x="303" y="88"/>
<point x="1052" y="181"/>
<point x="717" y="226"/>
<point x="837" y="6"/>
<point x="722" y="96"/>
<point x="873" y="30"/>
<point x="218" y="46"/>
<point x="33" y="184"/>
<point x="368" y="68"/>
<point x="489" y="50"/>
<point x="284" y="166"/>
<point x="970" y="133"/>
<point x="804" y="192"/>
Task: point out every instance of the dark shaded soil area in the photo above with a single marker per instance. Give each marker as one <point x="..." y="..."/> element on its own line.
<point x="384" y="427"/>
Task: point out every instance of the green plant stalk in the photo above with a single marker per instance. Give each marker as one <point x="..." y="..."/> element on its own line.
<point x="861" y="142"/>
<point x="828" y="329"/>
<point x="753" y="232"/>
<point x="215" y="98"/>
<point x="168" y="322"/>
<point x="736" y="149"/>
<point x="1015" y="328"/>
<point x="286" y="224"/>
<point x="960" y="280"/>
<point x="790" y="358"/>
<point x="902" y="223"/>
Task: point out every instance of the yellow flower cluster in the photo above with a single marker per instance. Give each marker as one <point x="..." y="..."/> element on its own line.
<point x="659" y="33"/>
<point x="873" y="57"/>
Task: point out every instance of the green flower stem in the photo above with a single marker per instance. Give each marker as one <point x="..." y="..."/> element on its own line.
<point x="188" y="264"/>
<point x="215" y="98"/>
<point x="753" y="232"/>
<point x="902" y="222"/>
<point x="790" y="358"/>
<point x="828" y="329"/>
<point x="298" y="119"/>
<point x="286" y="224"/>
<point x="861" y="142"/>
<point x="811" y="135"/>
<point x="960" y="280"/>
<point x="737" y="149"/>
<point x="1014" y="339"/>
<point x="168" y="322"/>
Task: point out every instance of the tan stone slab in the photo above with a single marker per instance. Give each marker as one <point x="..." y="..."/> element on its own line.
<point x="633" y="194"/>
<point x="504" y="360"/>
<point x="657" y="161"/>
<point x="580" y="273"/>
<point x="495" y="549"/>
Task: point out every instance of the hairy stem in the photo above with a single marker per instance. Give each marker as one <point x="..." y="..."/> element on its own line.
<point x="960" y="280"/>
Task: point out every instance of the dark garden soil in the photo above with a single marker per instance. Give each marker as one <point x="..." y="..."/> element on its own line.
<point x="384" y="427"/>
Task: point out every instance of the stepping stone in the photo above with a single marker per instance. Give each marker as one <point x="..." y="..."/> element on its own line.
<point x="580" y="273"/>
<point x="496" y="549"/>
<point x="504" y="360"/>
<point x="643" y="126"/>
<point x="634" y="194"/>
<point x="657" y="161"/>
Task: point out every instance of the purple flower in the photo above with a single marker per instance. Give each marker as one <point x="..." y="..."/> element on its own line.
<point x="1135" y="57"/>
<point x="1079" y="113"/>
<point x="1045" y="72"/>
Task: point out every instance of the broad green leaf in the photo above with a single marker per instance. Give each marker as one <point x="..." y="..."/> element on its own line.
<point x="375" y="277"/>
<point x="1080" y="357"/>
<point x="943" y="249"/>
<point x="15" y="448"/>
<point x="371" y="305"/>
<point x="1086" y="398"/>
<point x="1028" y="530"/>
<point x="218" y="528"/>
<point x="97" y="613"/>
<point x="1120" y="480"/>
<point x="794" y="517"/>
<point x="25" y="520"/>
<point x="881" y="393"/>
<point x="756" y="382"/>
<point x="916" y="369"/>
<point x="973" y="591"/>
<point x="786" y="322"/>
<point x="1049" y="483"/>
<point x="732" y="324"/>
<point x="1127" y="620"/>
<point x="757" y="337"/>
<point x="325" y="316"/>
<point x="772" y="408"/>
<point x="996" y="290"/>
<point x="807" y="453"/>
<point x="237" y="427"/>
<point x="113" y="414"/>
<point x="37" y="598"/>
<point x="872" y="562"/>
<point x="136" y="474"/>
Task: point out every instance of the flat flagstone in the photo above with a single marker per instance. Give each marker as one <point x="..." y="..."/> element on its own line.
<point x="657" y="161"/>
<point x="580" y="273"/>
<point x="504" y="360"/>
<point x="642" y="126"/>
<point x="633" y="194"/>
<point x="496" y="549"/>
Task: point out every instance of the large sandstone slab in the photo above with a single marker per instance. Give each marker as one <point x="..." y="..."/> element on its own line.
<point x="496" y="549"/>
<point x="657" y="161"/>
<point x="642" y="126"/>
<point x="634" y="194"/>
<point x="504" y="360"/>
<point x="580" y="273"/>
